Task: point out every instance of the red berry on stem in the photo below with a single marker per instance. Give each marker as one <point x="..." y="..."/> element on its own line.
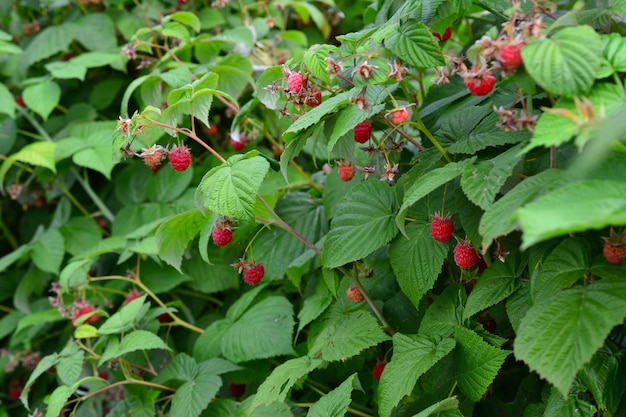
<point x="464" y="255"/>
<point x="237" y="145"/>
<point x="378" y="370"/>
<point x="236" y="390"/>
<point x="510" y="56"/>
<point x="222" y="236"/>
<point x="399" y="115"/>
<point x="354" y="294"/>
<point x="295" y="82"/>
<point x="180" y="158"/>
<point x="363" y="132"/>
<point x="315" y="98"/>
<point x="614" y="254"/>
<point x="346" y="171"/>
<point x="84" y="311"/>
<point x="441" y="228"/>
<point x="211" y="130"/>
<point x="253" y="273"/>
<point x="19" y="101"/>
<point x="480" y="85"/>
<point x="14" y="394"/>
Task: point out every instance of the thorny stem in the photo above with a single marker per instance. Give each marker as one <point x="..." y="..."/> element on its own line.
<point x="94" y="197"/>
<point x="120" y="383"/>
<point x="189" y="134"/>
<point x="9" y="236"/>
<point x="306" y="177"/>
<point x="355" y="281"/>
<point x="177" y="320"/>
<point x="422" y="128"/>
<point x="405" y="135"/>
<point x="552" y="156"/>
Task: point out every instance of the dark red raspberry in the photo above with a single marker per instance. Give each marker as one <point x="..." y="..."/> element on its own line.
<point x="441" y="228"/>
<point x="236" y="390"/>
<point x="253" y="273"/>
<point x="465" y="255"/>
<point x="180" y="158"/>
<point x="84" y="311"/>
<point x="378" y="370"/>
<point x="222" y="236"/>
<point x="315" y="98"/>
<point x="363" y="132"/>
<point x="480" y="85"/>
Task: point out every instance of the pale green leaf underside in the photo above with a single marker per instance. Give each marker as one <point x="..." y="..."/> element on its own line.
<point x="493" y="286"/>
<point x="592" y="204"/>
<point x="276" y="387"/>
<point x="336" y="402"/>
<point x="175" y="233"/>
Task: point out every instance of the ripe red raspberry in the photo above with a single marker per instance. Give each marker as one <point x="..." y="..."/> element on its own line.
<point x="441" y="228"/>
<point x="480" y="85"/>
<point x="253" y="273"/>
<point x="163" y="318"/>
<point x="346" y="171"/>
<point x="83" y="311"/>
<point x="19" y="101"/>
<point x="315" y="98"/>
<point x="614" y="254"/>
<point x="399" y="115"/>
<point x="14" y="393"/>
<point x="510" y="57"/>
<point x="446" y="35"/>
<point x="295" y="82"/>
<point x="354" y="294"/>
<point x="222" y="236"/>
<point x="378" y="369"/>
<point x="132" y="295"/>
<point x="363" y="132"/>
<point x="180" y="158"/>
<point x="464" y="255"/>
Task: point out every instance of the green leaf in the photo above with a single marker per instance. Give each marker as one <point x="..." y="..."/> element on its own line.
<point x="265" y="91"/>
<point x="445" y="313"/>
<point x="8" y="259"/>
<point x="430" y="181"/>
<point x="337" y="401"/>
<point x="231" y="188"/>
<point x="567" y="263"/>
<point x="48" y="251"/>
<point x="57" y="400"/>
<point x="136" y="340"/>
<point x="602" y="377"/>
<point x="186" y="18"/>
<point x="96" y="32"/>
<point x="314" y="59"/>
<point x="264" y="331"/>
<point x="37" y="153"/>
<point x="314" y="115"/>
<point x="66" y="70"/>
<point x="557" y="337"/>
<point x="42" y="97"/>
<point x="477" y="363"/>
<point x="593" y="204"/>
<point x="348" y="336"/>
<point x="44" y="364"/>
<point x="368" y="206"/>
<point x="174" y="234"/>
<point x="500" y="218"/>
<point x="413" y="356"/>
<point x="482" y="181"/>
<point x="494" y="285"/>
<point x="559" y="405"/>
<point x="314" y="305"/>
<point x="553" y="128"/>
<point x="278" y="248"/>
<point x="122" y="320"/>
<point x="567" y="63"/>
<point x="276" y="387"/>
<point x="7" y="102"/>
<point x="40" y="317"/>
<point x="414" y="44"/>
<point x="449" y="406"/>
<point x="614" y="55"/>
<point x="417" y="261"/>
<point x="169" y="185"/>
<point x="50" y="41"/>
<point x="347" y="119"/>
<point x="209" y="344"/>
<point x="70" y="364"/>
<point x="194" y="395"/>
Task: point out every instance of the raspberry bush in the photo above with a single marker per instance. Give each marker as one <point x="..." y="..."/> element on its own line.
<point x="332" y="138"/>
